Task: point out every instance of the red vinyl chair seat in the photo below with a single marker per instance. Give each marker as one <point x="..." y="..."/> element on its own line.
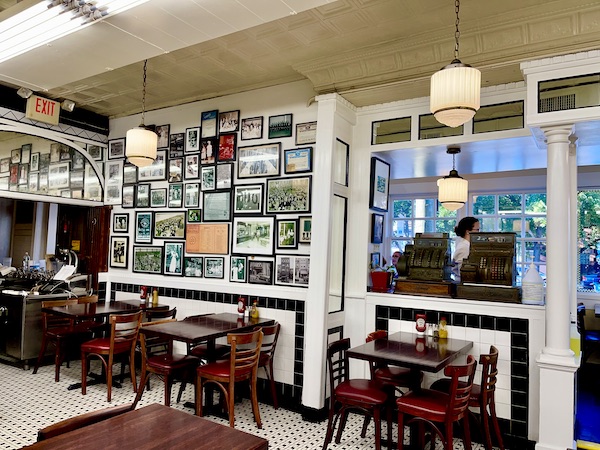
<point x="221" y="369"/>
<point x="201" y="351"/>
<point x="103" y="345"/>
<point x="361" y="391"/>
<point x="395" y="375"/>
<point x="175" y="361"/>
<point x="443" y="385"/>
<point x="425" y="403"/>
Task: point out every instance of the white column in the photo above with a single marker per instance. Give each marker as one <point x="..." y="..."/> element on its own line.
<point x="573" y="244"/>
<point x="556" y="361"/>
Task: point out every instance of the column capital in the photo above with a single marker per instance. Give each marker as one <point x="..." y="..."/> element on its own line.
<point x="558" y="133"/>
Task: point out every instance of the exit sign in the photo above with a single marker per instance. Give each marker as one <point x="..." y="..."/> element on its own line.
<point x="42" y="110"/>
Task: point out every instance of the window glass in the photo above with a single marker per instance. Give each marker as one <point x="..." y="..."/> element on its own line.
<point x="589" y="240"/>
<point x="402" y="208"/>
<point x="510" y="204"/>
<point x="484" y="204"/>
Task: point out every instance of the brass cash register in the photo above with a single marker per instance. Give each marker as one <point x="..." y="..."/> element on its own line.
<point x="489" y="272"/>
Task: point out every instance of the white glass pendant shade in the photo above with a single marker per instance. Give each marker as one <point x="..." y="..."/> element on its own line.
<point x="453" y="191"/>
<point x="140" y="146"/>
<point x="455" y="94"/>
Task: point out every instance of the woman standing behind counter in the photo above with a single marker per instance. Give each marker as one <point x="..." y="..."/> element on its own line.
<point x="462" y="247"/>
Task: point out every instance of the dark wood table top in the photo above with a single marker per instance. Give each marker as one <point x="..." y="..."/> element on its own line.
<point x="91" y="310"/>
<point x="152" y="427"/>
<point x="204" y="328"/>
<point x="412" y="351"/>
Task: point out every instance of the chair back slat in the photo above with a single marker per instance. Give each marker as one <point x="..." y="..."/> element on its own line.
<point x="125" y="327"/>
<point x="270" y="336"/>
<point x="489" y="375"/>
<point x="87" y="299"/>
<point x="337" y="362"/>
<point x="244" y="356"/>
<point x="152" y="315"/>
<point x="52" y="321"/>
<point x="460" y="393"/>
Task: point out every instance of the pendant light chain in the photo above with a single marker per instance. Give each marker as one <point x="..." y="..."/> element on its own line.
<point x="456" y="32"/>
<point x="453" y="161"/>
<point x="144" y="92"/>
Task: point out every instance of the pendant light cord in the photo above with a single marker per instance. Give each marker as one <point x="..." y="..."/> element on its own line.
<point x="453" y="161"/>
<point x="144" y="92"/>
<point x="456" y="32"/>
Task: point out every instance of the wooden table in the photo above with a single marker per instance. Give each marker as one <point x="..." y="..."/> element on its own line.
<point x="100" y="310"/>
<point x="412" y="351"/>
<point x="151" y="427"/>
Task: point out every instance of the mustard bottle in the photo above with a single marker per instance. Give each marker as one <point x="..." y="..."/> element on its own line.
<point x="443" y="331"/>
<point x="155" y="297"/>
<point x="254" y="311"/>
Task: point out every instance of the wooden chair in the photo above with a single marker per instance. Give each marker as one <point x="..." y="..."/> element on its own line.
<point x="83" y="420"/>
<point x="60" y="331"/>
<point x="124" y="330"/>
<point x="267" y="352"/>
<point x="482" y="396"/>
<point x="202" y="350"/>
<point x="241" y="365"/>
<point x="366" y="397"/>
<point x="168" y="366"/>
<point x="431" y="407"/>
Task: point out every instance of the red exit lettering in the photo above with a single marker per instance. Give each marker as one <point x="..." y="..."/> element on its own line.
<point x="43" y="106"/>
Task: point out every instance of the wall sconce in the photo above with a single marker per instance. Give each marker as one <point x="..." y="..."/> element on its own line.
<point x="24" y="92"/>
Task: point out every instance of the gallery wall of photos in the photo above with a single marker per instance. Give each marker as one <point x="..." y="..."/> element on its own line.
<point x="215" y="203"/>
<point x="45" y="167"/>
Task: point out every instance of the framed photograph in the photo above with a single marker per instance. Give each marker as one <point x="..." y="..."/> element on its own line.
<point x="175" y="195"/>
<point x="58" y="177"/>
<point x="35" y="162"/>
<point x="192" y="195"/>
<point x="14" y="175"/>
<point x="208" y="124"/>
<point x="176" y="145"/>
<point x="252" y="128"/>
<point x="169" y="224"/>
<point x="214" y="267"/>
<point x="173" y="260"/>
<point x="33" y="182"/>
<point x="113" y="172"/>
<point x="280" y="126"/>
<point x="128" y="196"/>
<point x="259" y="160"/>
<point x="158" y="198"/>
<point x="284" y="270"/>
<point x="229" y="121"/>
<point x="76" y="179"/>
<point x="163" y="132"/>
<point x="216" y="206"/>
<point x="143" y="227"/>
<point x="380" y="185"/>
<point x="142" y="195"/>
<point x="192" y="266"/>
<point x="376" y="228"/>
<point x="175" y="170"/>
<point x="121" y="223"/>
<point x="78" y="161"/>
<point x="15" y="156"/>
<point x="4" y="185"/>
<point x="25" y="153"/>
<point x="192" y="164"/>
<point x="224" y="175"/>
<point x="208" y="149"/>
<point x="112" y="194"/>
<point x="375" y="260"/>
<point x="194" y="215"/>
<point x="227" y="144"/>
<point x="238" y="269"/>
<point x="192" y="140"/>
<point x="287" y="234"/>
<point x="116" y="148"/>
<point x="248" y="199"/>
<point x="253" y="235"/>
<point x="119" y="246"/>
<point x="306" y="133"/>
<point x="297" y="160"/>
<point x="65" y="153"/>
<point x="96" y="152"/>
<point x="155" y="171"/>
<point x="208" y="178"/>
<point x="260" y="272"/>
<point x="4" y="165"/>
<point x="43" y="187"/>
<point x="289" y="195"/>
<point x="67" y="193"/>
<point x="129" y="174"/>
<point x="301" y="270"/>
<point x="147" y="259"/>
<point x="23" y="173"/>
<point x="54" y="153"/>
<point x="207" y="238"/>
<point x="304" y="229"/>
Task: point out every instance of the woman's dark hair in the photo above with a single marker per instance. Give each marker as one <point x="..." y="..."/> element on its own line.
<point x="465" y="224"/>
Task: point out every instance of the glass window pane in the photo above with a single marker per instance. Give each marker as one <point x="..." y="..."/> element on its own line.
<point x="402" y="208"/>
<point x="445" y="226"/>
<point x="487" y="224"/>
<point x="510" y="204"/>
<point x="402" y="228"/>
<point x="535" y="203"/>
<point x="484" y="204"/>
<point x="425" y="226"/>
<point x="536" y="252"/>
<point x="589" y="240"/>
<point x="393" y="130"/>
<point x="512" y="225"/>
<point x="443" y="212"/>
<point x="398" y="246"/>
<point x="430" y="128"/>
<point x="425" y="207"/>
<point x="535" y="227"/>
<point x="504" y="116"/>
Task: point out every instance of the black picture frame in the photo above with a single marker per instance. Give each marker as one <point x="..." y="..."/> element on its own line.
<point x="261" y="160"/>
<point x="96" y="152"/>
<point x="286" y="234"/>
<point x="191" y="195"/>
<point x="306" y="133"/>
<point x="173" y="258"/>
<point x="216" y="206"/>
<point x="375" y="260"/>
<point x="304" y="229"/>
<point x="127" y="196"/>
<point x="193" y="266"/>
<point x="298" y="160"/>
<point x="155" y="171"/>
<point x="192" y="167"/>
<point x="144" y="221"/>
<point x="142" y="195"/>
<point x="238" y="269"/>
<point x="194" y="215"/>
<point x="253" y="235"/>
<point x="252" y="128"/>
<point x="119" y="248"/>
<point x="175" y="195"/>
<point x="214" y="267"/>
<point x="280" y="126"/>
<point x="229" y="121"/>
<point x="147" y="259"/>
<point x="176" y="145"/>
<point x="163" y="132"/>
<point x="260" y="272"/>
<point x="120" y="223"/>
<point x="169" y="225"/>
<point x="248" y="199"/>
<point x="158" y="198"/>
<point x="291" y="195"/>
<point x="227" y="147"/>
<point x="224" y="176"/>
<point x="116" y="149"/>
<point x="208" y="123"/>
<point x="176" y="170"/>
<point x="192" y="140"/>
<point x="380" y="185"/>
<point x="377" y="228"/>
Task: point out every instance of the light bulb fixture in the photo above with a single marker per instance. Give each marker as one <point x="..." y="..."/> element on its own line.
<point x="453" y="190"/>
<point x="455" y="89"/>
<point x="68" y="105"/>
<point x="140" y="142"/>
<point x="24" y="92"/>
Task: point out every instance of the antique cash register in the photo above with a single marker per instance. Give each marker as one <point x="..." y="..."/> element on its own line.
<point x="489" y="272"/>
<point x="425" y="266"/>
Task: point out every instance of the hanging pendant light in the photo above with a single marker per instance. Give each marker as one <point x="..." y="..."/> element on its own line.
<point x="455" y="89"/>
<point x="453" y="190"/>
<point x="140" y="142"/>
